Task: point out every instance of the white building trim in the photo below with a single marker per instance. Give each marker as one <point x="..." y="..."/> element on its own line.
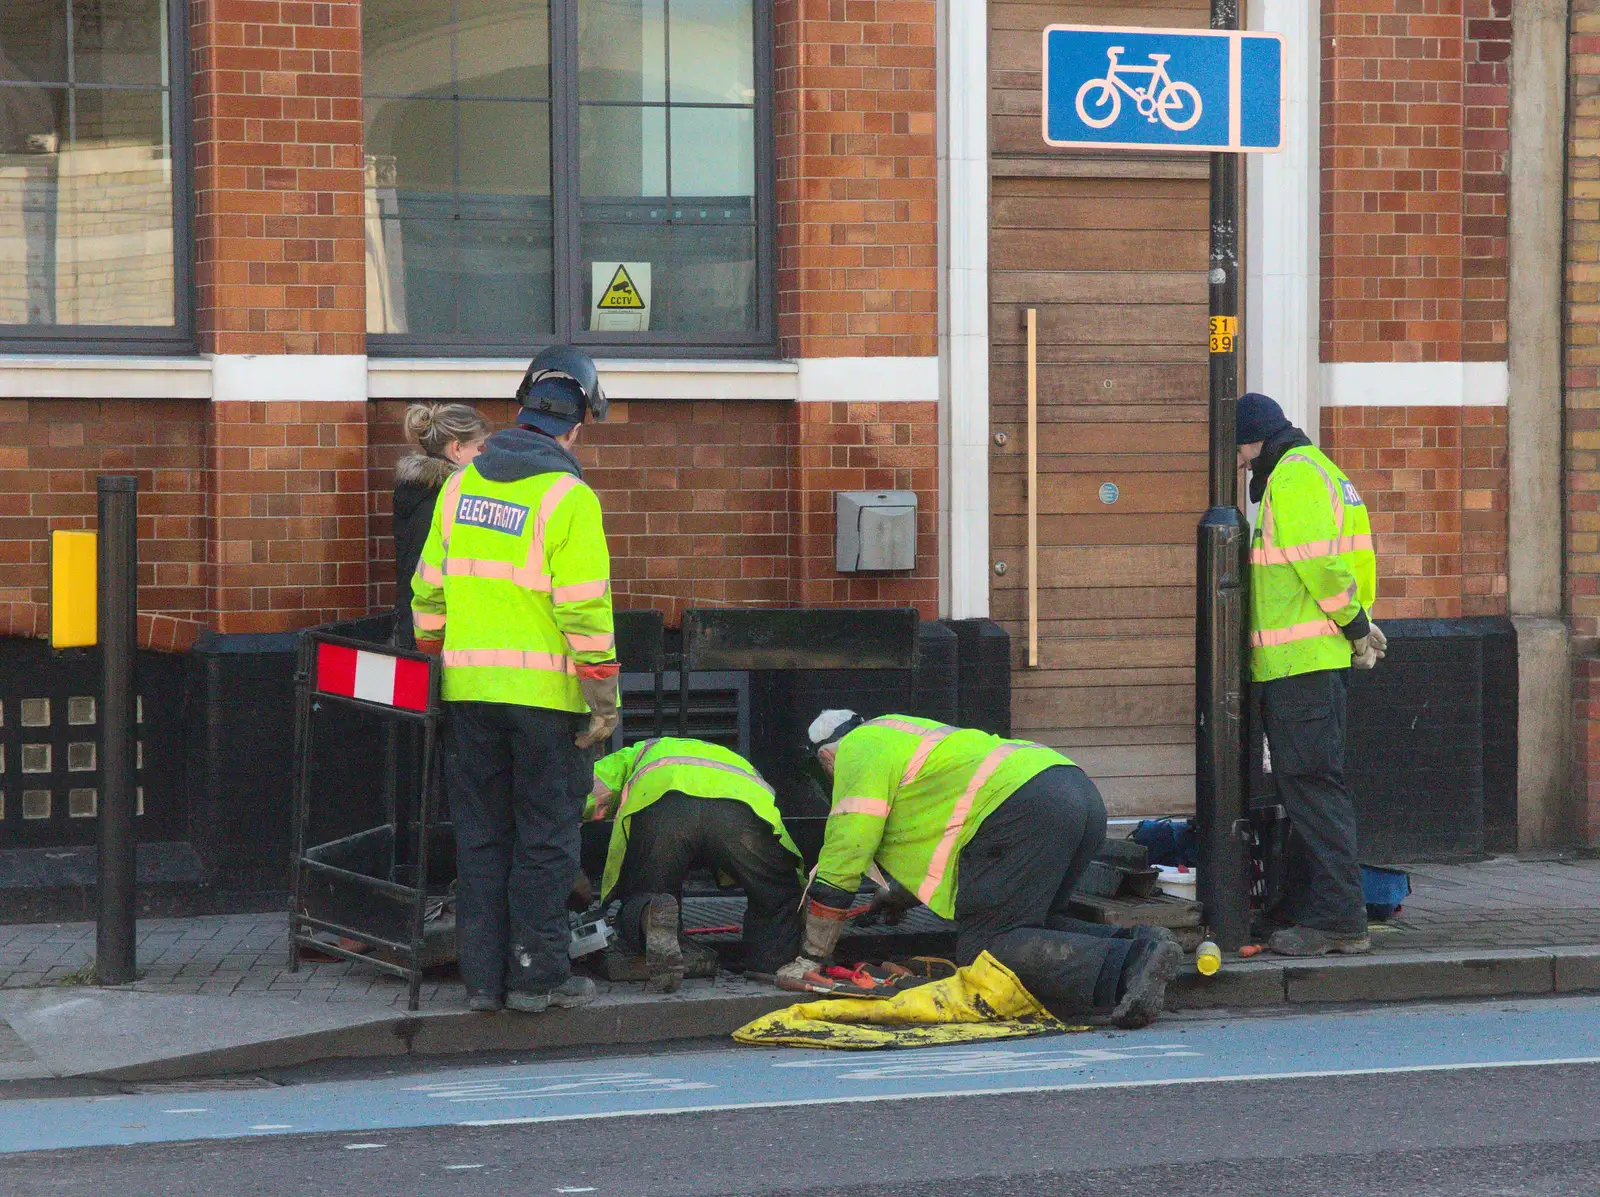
<point x="1415" y="384"/>
<point x="449" y="379"/>
<point x="289" y="377"/>
<point x="963" y="132"/>
<point x="868" y="379"/>
<point x="1283" y="229"/>
<point x="58" y="376"/>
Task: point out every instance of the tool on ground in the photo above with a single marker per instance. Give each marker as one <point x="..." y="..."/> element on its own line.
<point x="591" y="937"/>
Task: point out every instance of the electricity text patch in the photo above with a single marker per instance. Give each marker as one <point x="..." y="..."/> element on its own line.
<point x="492" y="514"/>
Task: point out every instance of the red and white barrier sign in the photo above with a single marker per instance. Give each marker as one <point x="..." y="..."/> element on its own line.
<point x="372" y="677"/>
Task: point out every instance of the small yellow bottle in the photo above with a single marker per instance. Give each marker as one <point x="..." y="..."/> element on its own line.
<point x="1207" y="958"/>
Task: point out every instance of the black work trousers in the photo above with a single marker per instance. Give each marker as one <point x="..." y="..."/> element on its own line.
<point x="678" y="832"/>
<point x="1015" y="878"/>
<point x="517" y="783"/>
<point x="1305" y="721"/>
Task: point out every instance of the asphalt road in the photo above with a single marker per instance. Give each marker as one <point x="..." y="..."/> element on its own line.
<point x="1425" y="1103"/>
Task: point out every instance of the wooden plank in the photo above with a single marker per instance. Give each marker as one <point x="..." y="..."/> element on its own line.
<point x="1066" y="493"/>
<point x="1088" y="629"/>
<point x="1077" y="211"/>
<point x="1160" y="249"/>
<point x="1173" y="601"/>
<point x="1156" y="442"/>
<point x="1075" y="326"/>
<point x="1009" y="533"/>
<point x="1129" y="675"/>
<point x="1181" y="734"/>
<point x="1101" y="706"/>
<point x="1103" y="286"/>
<point x="1018" y="165"/>
<point x="1101" y="383"/>
<point x="1112" y="650"/>
<point x="1135" y="760"/>
<point x="1151" y="14"/>
<point x="1095" y="566"/>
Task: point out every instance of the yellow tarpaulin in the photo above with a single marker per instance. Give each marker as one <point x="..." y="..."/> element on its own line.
<point x="982" y="1001"/>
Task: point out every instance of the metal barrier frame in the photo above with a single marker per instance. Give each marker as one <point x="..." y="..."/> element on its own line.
<point x="302" y="922"/>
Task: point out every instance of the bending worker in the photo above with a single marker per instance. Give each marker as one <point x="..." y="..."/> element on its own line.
<point x="991" y="833"/>
<point x="514" y="589"/>
<point x="1313" y="578"/>
<point x="682" y="804"/>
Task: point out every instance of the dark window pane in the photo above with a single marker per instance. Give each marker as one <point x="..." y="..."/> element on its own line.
<point x="414" y="142"/>
<point x="713" y="51"/>
<point x="33" y="41"/>
<point x="622" y="151"/>
<point x="503" y="48"/>
<point x="505" y="147"/>
<point x="405" y="47"/>
<point x="713" y="152"/>
<point x="621" y="50"/>
<point x="86" y="224"/>
<point x="119" y="41"/>
<point x="703" y="272"/>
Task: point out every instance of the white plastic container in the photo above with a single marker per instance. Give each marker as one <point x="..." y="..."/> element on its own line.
<point x="1176" y="882"/>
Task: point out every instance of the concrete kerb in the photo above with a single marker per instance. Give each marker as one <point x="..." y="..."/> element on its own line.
<point x="635" y="1020"/>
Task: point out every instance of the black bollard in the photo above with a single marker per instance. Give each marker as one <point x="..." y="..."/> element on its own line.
<point x="115" y="956"/>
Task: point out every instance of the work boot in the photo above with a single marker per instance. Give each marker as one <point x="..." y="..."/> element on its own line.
<point x="1312" y="941"/>
<point x="1152" y="963"/>
<point x="663" y="954"/>
<point x="485" y="1003"/>
<point x="574" y="991"/>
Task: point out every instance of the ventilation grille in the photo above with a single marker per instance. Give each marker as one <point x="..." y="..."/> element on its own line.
<point x="719" y="708"/>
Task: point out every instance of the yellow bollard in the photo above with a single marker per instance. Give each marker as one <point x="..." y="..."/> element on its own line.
<point x="73" y="590"/>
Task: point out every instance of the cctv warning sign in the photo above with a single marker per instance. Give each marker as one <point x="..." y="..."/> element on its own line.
<point x="622" y="294"/>
<point x="621" y="297"/>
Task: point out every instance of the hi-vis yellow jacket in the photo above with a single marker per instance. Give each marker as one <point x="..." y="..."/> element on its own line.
<point x="1312" y="569"/>
<point x="626" y="782"/>
<point x="515" y="579"/>
<point x="909" y="793"/>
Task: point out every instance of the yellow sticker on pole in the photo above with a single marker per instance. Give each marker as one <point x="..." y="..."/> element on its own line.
<point x="73" y="590"/>
<point x="1223" y="331"/>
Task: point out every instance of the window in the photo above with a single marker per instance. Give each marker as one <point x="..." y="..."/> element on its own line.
<point x="93" y="232"/>
<point x="591" y="171"/>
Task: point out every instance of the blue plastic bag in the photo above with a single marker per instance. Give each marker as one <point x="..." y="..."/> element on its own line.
<point x="1168" y="841"/>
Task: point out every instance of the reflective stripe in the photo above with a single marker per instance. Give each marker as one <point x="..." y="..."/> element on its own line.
<point x="507" y="658"/>
<point x="1299" y="631"/>
<point x="499" y="571"/>
<point x="958" y="819"/>
<point x="431" y="574"/>
<point x="1339" y="601"/>
<point x="1269" y="554"/>
<point x="878" y="808"/>
<point x="579" y="591"/>
<point x="424" y="622"/>
<point x="449" y="501"/>
<point x="591" y="644"/>
<point x="699" y="761"/>
<point x="930" y="738"/>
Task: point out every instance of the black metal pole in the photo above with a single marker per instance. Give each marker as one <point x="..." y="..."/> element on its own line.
<point x="118" y="598"/>
<point x="1223" y="547"/>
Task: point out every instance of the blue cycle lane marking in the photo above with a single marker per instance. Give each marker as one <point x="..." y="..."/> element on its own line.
<point x="1565" y="1031"/>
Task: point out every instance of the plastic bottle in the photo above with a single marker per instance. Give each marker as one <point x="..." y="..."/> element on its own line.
<point x="1207" y="958"/>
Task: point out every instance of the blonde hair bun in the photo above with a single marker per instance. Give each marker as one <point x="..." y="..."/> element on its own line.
<point x="432" y="426"/>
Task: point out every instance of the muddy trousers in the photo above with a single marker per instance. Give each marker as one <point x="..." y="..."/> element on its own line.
<point x="1305" y="719"/>
<point x="678" y="832"/>
<point x="517" y="784"/>
<point x="1016" y="877"/>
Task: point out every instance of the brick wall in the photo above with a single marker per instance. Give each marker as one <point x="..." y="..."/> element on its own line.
<point x="1586" y="745"/>
<point x="1485" y="152"/>
<point x="1392" y="167"/>
<point x="279" y="254"/>
<point x="1583" y="328"/>
<point x="725" y="504"/>
<point x="857" y="186"/>
<point x="1434" y="482"/>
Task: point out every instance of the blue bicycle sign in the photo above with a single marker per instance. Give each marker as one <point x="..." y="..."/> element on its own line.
<point x="1108" y="87"/>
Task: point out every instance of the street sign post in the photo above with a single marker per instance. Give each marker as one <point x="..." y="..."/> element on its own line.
<point x="1203" y="90"/>
<point x="1217" y="91"/>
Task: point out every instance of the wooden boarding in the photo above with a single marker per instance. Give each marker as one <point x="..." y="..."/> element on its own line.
<point x="1110" y="251"/>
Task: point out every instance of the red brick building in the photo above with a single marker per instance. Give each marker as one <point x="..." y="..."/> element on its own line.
<point x="233" y="249"/>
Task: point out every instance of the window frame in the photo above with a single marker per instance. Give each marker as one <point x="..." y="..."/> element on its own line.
<point x="567" y="266"/>
<point x="147" y="339"/>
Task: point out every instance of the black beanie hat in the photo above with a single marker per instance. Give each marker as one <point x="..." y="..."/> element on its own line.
<point x="1259" y="419"/>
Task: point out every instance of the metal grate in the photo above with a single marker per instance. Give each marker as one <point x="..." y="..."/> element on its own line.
<point x="719" y="708"/>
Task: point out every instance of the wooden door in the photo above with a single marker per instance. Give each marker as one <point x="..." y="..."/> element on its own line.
<point x="1110" y="249"/>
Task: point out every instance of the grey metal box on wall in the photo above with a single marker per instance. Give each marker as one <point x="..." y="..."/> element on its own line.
<point x="875" y="530"/>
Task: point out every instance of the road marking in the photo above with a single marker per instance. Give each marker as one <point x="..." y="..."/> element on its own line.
<point x="189" y="1110"/>
<point x="364" y="1146"/>
<point x="273" y="1126"/>
<point x="860" y="1099"/>
<point x="461" y="1167"/>
<point x="588" y="1190"/>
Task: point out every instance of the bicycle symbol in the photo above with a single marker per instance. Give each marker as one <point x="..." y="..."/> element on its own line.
<point x="1161" y="96"/>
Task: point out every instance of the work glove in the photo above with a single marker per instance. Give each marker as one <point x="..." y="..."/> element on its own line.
<point x="797" y="969"/>
<point x="823" y="927"/>
<point x="1368" y="650"/>
<point x="889" y="906"/>
<point x="601" y="695"/>
<point x="581" y="896"/>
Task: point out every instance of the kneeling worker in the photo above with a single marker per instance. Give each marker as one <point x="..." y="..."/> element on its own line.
<point x="1013" y="822"/>
<point x="681" y="804"/>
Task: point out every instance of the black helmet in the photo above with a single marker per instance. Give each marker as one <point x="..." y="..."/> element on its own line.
<point x="576" y="386"/>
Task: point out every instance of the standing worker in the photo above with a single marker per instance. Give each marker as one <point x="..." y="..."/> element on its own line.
<point x="1313" y="579"/>
<point x="678" y="804"/>
<point x="514" y="590"/>
<point x="991" y="833"/>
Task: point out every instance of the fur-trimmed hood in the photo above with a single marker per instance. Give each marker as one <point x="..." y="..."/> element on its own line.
<point x="418" y="469"/>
